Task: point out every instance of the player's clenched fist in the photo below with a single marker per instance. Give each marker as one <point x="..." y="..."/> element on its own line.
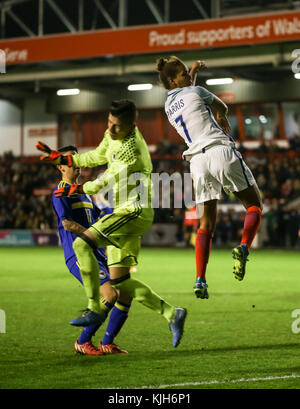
<point x="70" y="190"/>
<point x="197" y="66"/>
<point x="54" y="157"/>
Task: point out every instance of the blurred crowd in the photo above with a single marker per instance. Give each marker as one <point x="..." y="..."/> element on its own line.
<point x="26" y="186"/>
<point x="25" y="201"/>
<point x="277" y="172"/>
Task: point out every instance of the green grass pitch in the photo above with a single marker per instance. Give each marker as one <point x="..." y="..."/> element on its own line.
<point x="241" y="337"/>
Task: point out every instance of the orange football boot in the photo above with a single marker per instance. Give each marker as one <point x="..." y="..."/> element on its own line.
<point x="111" y="349"/>
<point x="87" y="349"/>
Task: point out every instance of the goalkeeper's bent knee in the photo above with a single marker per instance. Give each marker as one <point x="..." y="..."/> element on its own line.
<point x="84" y="249"/>
<point x="142" y="293"/>
<point x="132" y="287"/>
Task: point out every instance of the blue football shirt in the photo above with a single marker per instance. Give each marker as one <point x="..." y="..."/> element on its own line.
<point x="83" y="211"/>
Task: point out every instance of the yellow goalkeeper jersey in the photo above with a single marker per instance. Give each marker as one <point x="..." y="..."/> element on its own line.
<point x="128" y="171"/>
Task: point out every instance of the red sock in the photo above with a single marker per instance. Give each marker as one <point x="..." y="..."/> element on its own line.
<point x="251" y="225"/>
<point x="202" y="251"/>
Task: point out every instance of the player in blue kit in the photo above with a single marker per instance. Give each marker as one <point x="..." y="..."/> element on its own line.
<point x="74" y="215"/>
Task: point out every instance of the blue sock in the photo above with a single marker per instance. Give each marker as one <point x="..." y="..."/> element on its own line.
<point x="118" y="316"/>
<point x="87" y="333"/>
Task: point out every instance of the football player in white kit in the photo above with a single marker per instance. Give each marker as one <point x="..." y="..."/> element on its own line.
<point x="200" y="119"/>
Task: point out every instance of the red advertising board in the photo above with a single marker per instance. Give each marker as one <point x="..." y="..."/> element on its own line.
<point x="200" y="34"/>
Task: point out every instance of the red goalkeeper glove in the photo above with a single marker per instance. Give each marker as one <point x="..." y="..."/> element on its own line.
<point x="71" y="190"/>
<point x="54" y="157"/>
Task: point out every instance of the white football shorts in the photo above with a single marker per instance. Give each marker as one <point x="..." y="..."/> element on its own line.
<point x="217" y="167"/>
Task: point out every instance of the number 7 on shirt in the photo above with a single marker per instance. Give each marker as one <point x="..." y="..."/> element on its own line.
<point x="182" y="123"/>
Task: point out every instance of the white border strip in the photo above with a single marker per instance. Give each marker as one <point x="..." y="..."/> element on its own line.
<point x="224" y="381"/>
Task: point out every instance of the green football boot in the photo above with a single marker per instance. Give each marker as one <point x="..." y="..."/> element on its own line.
<point x="240" y="254"/>
<point x="200" y="288"/>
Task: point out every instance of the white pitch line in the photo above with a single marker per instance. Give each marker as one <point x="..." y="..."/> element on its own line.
<point x="216" y="381"/>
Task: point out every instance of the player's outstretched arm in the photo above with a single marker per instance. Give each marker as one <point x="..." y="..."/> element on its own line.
<point x="197" y="66"/>
<point x="92" y="158"/>
<point x="52" y="156"/>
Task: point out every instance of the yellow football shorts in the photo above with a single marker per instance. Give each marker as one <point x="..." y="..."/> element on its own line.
<point x="124" y="227"/>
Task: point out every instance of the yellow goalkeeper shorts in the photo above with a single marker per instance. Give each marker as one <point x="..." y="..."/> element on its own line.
<point x="125" y="226"/>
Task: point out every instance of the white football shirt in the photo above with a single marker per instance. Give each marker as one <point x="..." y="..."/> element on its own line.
<point x="188" y="111"/>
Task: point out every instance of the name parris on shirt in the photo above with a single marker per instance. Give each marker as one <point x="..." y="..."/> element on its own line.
<point x="175" y="107"/>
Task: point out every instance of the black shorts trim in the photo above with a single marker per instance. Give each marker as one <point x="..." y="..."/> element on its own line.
<point x="120" y="280"/>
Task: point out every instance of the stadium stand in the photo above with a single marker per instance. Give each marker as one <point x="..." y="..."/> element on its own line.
<point x="26" y="184"/>
<point x="256" y="45"/>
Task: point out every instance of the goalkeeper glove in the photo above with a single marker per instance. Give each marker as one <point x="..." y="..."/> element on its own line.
<point x="54" y="157"/>
<point x="71" y="190"/>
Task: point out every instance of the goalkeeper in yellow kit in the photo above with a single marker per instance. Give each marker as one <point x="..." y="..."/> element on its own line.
<point x="125" y="151"/>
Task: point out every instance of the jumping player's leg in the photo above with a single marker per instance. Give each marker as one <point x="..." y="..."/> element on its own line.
<point x="251" y="200"/>
<point x="208" y="214"/>
<point x="208" y="191"/>
<point x="229" y="169"/>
